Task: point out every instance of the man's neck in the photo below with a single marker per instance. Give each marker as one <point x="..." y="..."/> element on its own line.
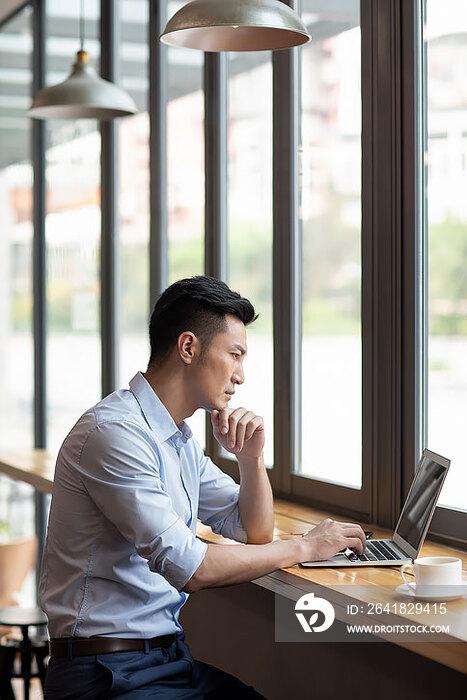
<point x="171" y="391"/>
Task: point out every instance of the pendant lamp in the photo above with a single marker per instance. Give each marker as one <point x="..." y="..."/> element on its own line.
<point x="235" y="25"/>
<point x="83" y="95"/>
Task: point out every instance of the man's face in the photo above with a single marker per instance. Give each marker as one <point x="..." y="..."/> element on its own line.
<point x="220" y="367"/>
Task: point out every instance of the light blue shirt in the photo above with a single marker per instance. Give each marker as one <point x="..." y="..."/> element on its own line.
<point x="121" y="544"/>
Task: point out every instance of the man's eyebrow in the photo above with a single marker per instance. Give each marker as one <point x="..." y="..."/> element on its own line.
<point x="240" y="347"/>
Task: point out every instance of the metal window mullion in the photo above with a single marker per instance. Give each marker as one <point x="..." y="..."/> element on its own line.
<point x="215" y="144"/>
<point x="215" y="183"/>
<point x="39" y="242"/>
<point x="368" y="254"/>
<point x="422" y="104"/>
<point x="413" y="357"/>
<point x="39" y="267"/>
<point x="109" y="311"/>
<point x="286" y="270"/>
<point x="383" y="248"/>
<point x="158" y="243"/>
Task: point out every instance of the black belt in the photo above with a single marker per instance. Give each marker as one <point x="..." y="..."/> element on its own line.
<point x="79" y="646"/>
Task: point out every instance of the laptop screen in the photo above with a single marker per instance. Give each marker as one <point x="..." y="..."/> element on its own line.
<point x="420" y="501"/>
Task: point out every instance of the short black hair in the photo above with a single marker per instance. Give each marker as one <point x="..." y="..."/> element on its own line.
<point x="197" y="304"/>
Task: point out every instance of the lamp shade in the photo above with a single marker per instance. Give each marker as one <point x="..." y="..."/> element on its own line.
<point x="235" y="25"/>
<point x="83" y="95"/>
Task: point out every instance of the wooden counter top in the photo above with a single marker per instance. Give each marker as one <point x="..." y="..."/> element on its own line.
<point x="36" y="467"/>
<point x="349" y="585"/>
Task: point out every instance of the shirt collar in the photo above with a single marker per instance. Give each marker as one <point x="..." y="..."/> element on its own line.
<point x="155" y="412"/>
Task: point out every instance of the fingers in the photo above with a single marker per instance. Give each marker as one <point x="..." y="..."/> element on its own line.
<point x="352" y="530"/>
<point x="240" y="437"/>
<point x="239" y="420"/>
<point x="331" y="536"/>
<point x="252" y="426"/>
<point x="350" y="534"/>
<point x="219" y="423"/>
<point x="224" y="421"/>
<point x="235" y="426"/>
<point x="355" y="543"/>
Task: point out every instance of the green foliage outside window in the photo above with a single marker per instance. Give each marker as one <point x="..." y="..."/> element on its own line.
<point x="330" y="290"/>
<point x="448" y="278"/>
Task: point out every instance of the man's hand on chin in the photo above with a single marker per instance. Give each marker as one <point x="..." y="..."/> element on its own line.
<point x="239" y="431"/>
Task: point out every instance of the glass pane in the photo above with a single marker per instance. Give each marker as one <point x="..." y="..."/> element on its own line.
<point x="250" y="223"/>
<point x="445" y="36"/>
<point x="72" y="235"/>
<point x="134" y="191"/>
<point x="331" y="225"/>
<point x="185" y="172"/>
<point x="16" y="345"/>
<point x="16" y="325"/>
<point x="17" y="517"/>
<point x="185" y="160"/>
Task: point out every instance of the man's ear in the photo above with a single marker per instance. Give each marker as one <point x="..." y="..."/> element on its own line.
<point x="188" y="347"/>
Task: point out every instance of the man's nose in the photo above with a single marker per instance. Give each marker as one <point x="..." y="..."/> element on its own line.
<point x="239" y="376"/>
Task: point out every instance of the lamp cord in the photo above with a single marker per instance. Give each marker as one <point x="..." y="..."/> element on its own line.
<point x="81" y="26"/>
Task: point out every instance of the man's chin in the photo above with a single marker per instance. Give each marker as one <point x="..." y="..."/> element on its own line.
<point x="218" y="406"/>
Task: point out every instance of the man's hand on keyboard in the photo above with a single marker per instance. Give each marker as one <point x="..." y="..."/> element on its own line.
<point x="330" y="536"/>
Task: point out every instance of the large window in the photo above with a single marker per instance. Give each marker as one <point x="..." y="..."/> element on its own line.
<point x="134" y="190"/>
<point x="16" y="298"/>
<point x="72" y="235"/>
<point x="16" y="345"/>
<point x="185" y="172"/>
<point x="249" y="180"/>
<point x="445" y="35"/>
<point x="331" y="387"/>
<point x="185" y="160"/>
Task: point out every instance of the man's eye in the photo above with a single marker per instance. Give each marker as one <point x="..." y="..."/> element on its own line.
<point x="236" y="355"/>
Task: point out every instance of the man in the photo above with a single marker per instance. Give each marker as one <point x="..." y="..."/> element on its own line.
<point x="121" y="554"/>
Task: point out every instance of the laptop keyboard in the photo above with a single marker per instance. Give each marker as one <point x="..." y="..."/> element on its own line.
<point x="376" y="551"/>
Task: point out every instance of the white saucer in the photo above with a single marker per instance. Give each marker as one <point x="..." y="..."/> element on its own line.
<point x="444" y="592"/>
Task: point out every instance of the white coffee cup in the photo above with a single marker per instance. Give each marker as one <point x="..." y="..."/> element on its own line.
<point x="434" y="571"/>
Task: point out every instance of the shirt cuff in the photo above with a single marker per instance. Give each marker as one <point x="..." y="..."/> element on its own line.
<point x="240" y="535"/>
<point x="179" y="554"/>
<point x="231" y="526"/>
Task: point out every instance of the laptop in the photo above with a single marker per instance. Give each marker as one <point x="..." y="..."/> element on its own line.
<point x="412" y="525"/>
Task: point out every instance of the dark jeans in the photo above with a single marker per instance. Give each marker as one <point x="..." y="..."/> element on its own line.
<point x="170" y="673"/>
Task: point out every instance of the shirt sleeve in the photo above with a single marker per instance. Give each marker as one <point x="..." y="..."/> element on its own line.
<point x="120" y="471"/>
<point x="218" y="501"/>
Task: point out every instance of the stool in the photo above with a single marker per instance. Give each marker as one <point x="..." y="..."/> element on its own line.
<point x="23" y="618"/>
